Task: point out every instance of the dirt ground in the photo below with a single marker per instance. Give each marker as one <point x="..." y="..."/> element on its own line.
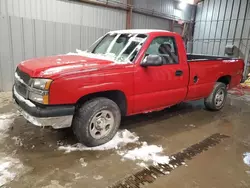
<point x="30" y="155"/>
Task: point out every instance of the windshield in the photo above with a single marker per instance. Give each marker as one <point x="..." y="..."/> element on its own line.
<point x="120" y="47"/>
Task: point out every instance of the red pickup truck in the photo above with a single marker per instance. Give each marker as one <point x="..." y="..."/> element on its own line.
<point x="123" y="73"/>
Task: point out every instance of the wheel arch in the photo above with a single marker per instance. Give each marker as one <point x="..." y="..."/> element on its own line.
<point x="226" y="79"/>
<point x="117" y="96"/>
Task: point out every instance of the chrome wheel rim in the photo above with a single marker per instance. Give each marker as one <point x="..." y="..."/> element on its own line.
<point x="219" y="98"/>
<point x="101" y="124"/>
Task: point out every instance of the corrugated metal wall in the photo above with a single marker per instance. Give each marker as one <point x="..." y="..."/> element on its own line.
<point x="36" y="28"/>
<point x="166" y="7"/>
<point x="140" y="21"/>
<point x="157" y="7"/>
<point x="222" y="22"/>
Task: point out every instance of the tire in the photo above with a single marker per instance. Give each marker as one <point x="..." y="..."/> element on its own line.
<point x="90" y="128"/>
<point x="217" y="98"/>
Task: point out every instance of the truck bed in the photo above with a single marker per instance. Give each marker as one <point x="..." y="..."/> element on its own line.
<point x="207" y="70"/>
<point x="199" y="57"/>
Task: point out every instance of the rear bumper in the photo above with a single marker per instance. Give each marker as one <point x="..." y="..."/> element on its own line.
<point x="59" y="116"/>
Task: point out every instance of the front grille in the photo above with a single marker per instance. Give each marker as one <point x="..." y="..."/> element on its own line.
<point x="20" y="87"/>
<point x="24" y="76"/>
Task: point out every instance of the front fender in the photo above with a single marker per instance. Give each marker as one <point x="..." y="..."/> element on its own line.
<point x="96" y="88"/>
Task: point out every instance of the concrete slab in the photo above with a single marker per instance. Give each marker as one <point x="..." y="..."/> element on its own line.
<point x="30" y="157"/>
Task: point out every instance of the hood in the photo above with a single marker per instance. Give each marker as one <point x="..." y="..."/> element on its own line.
<point x="54" y="66"/>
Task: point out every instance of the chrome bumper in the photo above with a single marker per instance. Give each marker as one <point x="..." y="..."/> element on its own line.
<point x="54" y="116"/>
<point x="54" y="122"/>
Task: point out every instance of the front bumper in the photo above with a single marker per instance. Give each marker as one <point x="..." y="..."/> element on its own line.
<point x="58" y="116"/>
<point x="54" y="122"/>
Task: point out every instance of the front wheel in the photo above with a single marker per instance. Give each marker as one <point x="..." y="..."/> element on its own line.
<point x="96" y="122"/>
<point x="217" y="98"/>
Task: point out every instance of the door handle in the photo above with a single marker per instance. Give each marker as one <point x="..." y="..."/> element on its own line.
<point x="179" y="73"/>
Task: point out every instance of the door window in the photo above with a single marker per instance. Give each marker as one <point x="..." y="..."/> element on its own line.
<point x="164" y="47"/>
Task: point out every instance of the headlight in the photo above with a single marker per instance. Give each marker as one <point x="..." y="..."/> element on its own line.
<point x="39" y="91"/>
<point x="42" y="84"/>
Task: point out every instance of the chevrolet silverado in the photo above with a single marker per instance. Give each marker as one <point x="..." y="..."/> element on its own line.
<point x="123" y="73"/>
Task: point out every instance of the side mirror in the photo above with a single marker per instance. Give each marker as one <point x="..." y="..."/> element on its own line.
<point x="152" y="60"/>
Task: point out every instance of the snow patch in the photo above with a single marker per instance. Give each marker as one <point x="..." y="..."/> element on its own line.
<point x="246" y="158"/>
<point x="136" y="31"/>
<point x="8" y="116"/>
<point x="17" y="140"/>
<point x="78" y="176"/>
<point x="121" y="138"/>
<point x="142" y="164"/>
<point x="190" y="125"/>
<point x="5" y="122"/>
<point x="98" y="177"/>
<point x="8" y="169"/>
<point x="83" y="163"/>
<point x="28" y="102"/>
<point x="54" y="184"/>
<point x="58" y="61"/>
<point x="146" y="153"/>
<point x="108" y="56"/>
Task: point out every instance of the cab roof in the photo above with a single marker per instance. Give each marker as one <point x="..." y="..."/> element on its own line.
<point x="139" y="31"/>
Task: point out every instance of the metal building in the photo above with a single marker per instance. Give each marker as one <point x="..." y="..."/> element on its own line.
<point x="36" y="28"/>
<point x="221" y="23"/>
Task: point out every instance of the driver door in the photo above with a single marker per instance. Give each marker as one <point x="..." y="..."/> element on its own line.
<point x="157" y="87"/>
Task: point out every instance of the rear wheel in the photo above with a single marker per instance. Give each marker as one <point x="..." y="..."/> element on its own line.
<point x="217" y="98"/>
<point x="96" y="122"/>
